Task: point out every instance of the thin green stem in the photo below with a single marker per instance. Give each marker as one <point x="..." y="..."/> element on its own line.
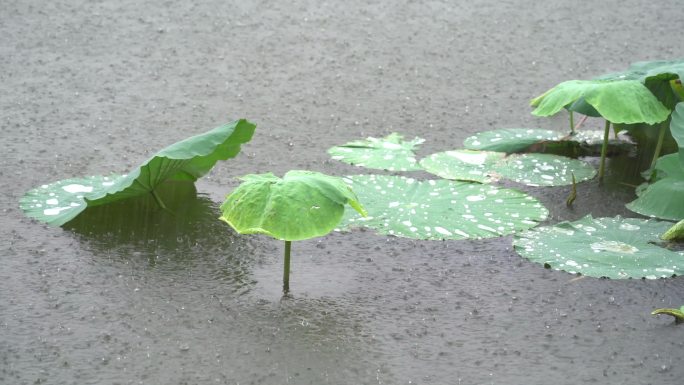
<point x="286" y="267"/>
<point x="661" y="139"/>
<point x="572" y="122"/>
<point x="604" y="150"/>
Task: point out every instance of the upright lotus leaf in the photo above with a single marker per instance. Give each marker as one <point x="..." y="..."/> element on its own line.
<point x="59" y="202"/>
<point x="602" y="247"/>
<point x="487" y="166"/>
<point x="465" y="165"/>
<point x="441" y="209"/>
<point x="663" y="199"/>
<point x="301" y="205"/>
<point x="618" y="101"/>
<point x="677" y="128"/>
<point x="678" y="314"/>
<point x="389" y="153"/>
<point x="509" y="140"/>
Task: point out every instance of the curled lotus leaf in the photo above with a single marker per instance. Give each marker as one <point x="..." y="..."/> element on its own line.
<point x="440" y="209"/>
<point x="59" y="202"/>
<point x="602" y="247"/>
<point x="391" y="153"/>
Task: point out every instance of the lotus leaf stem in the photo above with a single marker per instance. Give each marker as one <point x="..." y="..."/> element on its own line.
<point x="604" y="150"/>
<point x="286" y="267"/>
<point x="161" y="203"/>
<point x="572" y="122"/>
<point x="661" y="139"/>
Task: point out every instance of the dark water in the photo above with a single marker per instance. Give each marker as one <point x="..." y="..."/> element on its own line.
<point x="134" y="295"/>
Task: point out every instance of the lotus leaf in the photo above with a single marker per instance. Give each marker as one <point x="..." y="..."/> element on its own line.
<point x="509" y="140"/>
<point x="59" y="202"/>
<point x="663" y="199"/>
<point x="529" y="169"/>
<point x="466" y="165"/>
<point x="441" y="209"/>
<point x="301" y="205"/>
<point x="602" y="247"/>
<point x="389" y="153"/>
<point x="623" y="101"/>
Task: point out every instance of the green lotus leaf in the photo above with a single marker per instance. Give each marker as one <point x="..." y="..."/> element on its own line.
<point x="544" y="169"/>
<point x="301" y="205"/>
<point x="602" y="247"/>
<point x="389" y="153"/>
<point x="486" y="166"/>
<point x="674" y="233"/>
<point x="662" y="199"/>
<point x="59" y="202"/>
<point x="618" y="101"/>
<point x="677" y="129"/>
<point x="465" y="165"/>
<point x="509" y="140"/>
<point x="582" y="107"/>
<point x="440" y="209"/>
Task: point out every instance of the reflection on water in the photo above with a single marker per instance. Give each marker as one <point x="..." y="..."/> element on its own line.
<point x="184" y="234"/>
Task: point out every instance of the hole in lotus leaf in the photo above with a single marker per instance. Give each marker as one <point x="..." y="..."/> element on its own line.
<point x="488" y="166"/>
<point x="441" y="209"/>
<point x="612" y="249"/>
<point x="389" y="153"/>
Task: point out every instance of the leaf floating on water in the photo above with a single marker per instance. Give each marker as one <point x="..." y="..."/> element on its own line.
<point x="487" y="166"/>
<point x="59" y="202"/>
<point x="602" y="247"/>
<point x="389" y="153"/>
<point x="441" y="209"/>
<point x="509" y="140"/>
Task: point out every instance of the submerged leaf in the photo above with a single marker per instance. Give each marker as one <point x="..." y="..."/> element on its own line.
<point x="301" y="205"/>
<point x="487" y="166"/>
<point x="441" y="209"/>
<point x="187" y="160"/>
<point x="509" y="140"/>
<point x="389" y="153"/>
<point x="618" y="101"/>
<point x="602" y="247"/>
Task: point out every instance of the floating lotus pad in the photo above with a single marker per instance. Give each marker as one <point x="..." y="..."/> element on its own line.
<point x="59" y="202"/>
<point x="510" y="140"/>
<point x="389" y="153"/>
<point x="465" y="165"/>
<point x="602" y="247"/>
<point x="301" y="205"/>
<point x="487" y="166"/>
<point x="440" y="209"/>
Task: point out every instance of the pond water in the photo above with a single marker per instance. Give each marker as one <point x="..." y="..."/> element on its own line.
<point x="132" y="295"/>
